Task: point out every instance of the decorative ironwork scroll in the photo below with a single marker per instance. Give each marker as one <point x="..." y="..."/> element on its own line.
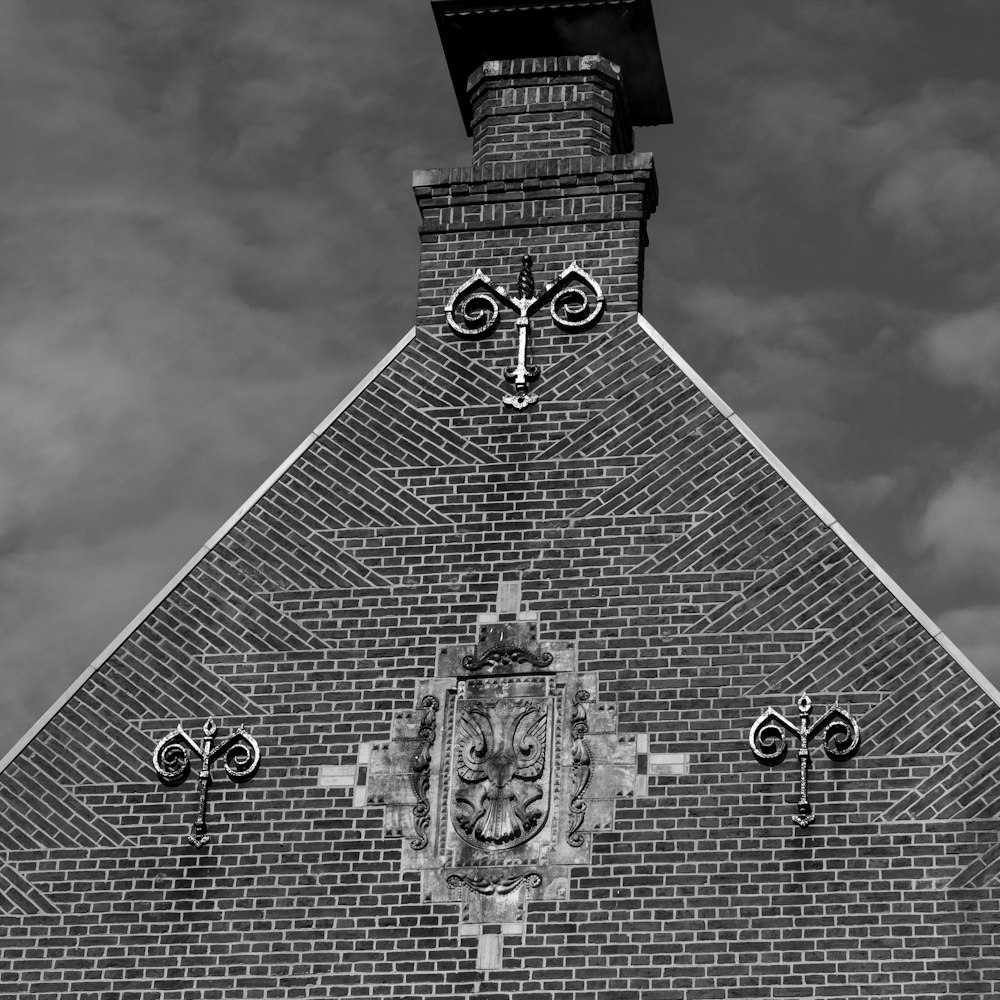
<point x="501" y="747"/>
<point x="420" y="777"/>
<point x="172" y="760"/>
<point x="579" y="729"/>
<point x="841" y="737"/>
<point x="499" y="884"/>
<point x="474" y="311"/>
<point x="506" y="646"/>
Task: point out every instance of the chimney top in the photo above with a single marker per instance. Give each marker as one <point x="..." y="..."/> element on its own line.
<point x="622" y="31"/>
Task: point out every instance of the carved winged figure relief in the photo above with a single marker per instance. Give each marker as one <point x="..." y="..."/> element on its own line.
<point x="500" y="764"/>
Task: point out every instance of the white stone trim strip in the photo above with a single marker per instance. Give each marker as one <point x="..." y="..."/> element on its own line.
<point x="490" y="953"/>
<point x="338" y="776"/>
<point x="670" y="763"/>
<point x="823" y="514"/>
<point x="204" y="550"/>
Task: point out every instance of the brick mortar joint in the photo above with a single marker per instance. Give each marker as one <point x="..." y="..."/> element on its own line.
<point x="434" y="229"/>
<point x="594" y="106"/>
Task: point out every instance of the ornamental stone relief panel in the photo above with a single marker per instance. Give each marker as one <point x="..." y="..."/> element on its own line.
<point x="501" y="778"/>
<point x="496" y="779"/>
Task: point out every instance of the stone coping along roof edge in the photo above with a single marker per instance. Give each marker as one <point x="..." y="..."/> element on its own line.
<point x="178" y="578"/>
<point x="824" y="515"/>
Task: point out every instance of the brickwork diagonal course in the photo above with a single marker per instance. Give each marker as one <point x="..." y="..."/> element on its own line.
<point x="695" y="585"/>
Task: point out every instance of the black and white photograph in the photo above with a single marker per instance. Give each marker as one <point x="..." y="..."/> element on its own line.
<point x="499" y="498"/>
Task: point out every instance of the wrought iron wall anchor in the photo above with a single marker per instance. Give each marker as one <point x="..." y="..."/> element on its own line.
<point x="172" y="760"/>
<point x="841" y="737"/>
<point x="474" y="311"/>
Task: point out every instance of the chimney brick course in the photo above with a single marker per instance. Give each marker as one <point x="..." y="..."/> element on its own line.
<point x="538" y="108"/>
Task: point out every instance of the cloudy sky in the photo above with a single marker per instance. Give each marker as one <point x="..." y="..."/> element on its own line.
<point x="208" y="237"/>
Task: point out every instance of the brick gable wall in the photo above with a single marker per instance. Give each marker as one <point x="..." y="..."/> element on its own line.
<point x="672" y="573"/>
<point x="694" y="585"/>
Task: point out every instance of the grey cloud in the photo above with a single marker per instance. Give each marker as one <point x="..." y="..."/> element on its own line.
<point x="184" y="292"/>
<point x="791" y="362"/>
<point x="964" y="350"/>
<point x="976" y="631"/>
<point x="959" y="528"/>
<point x="927" y="168"/>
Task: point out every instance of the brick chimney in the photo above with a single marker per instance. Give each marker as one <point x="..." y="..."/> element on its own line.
<point x="549" y="93"/>
<point x="547" y="107"/>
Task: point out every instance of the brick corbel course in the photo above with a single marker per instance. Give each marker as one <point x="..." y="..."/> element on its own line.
<point x="593" y="209"/>
<point x="526" y="183"/>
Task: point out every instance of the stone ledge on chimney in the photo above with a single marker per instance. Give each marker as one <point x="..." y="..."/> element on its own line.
<point x="507" y="170"/>
<point x="537" y="193"/>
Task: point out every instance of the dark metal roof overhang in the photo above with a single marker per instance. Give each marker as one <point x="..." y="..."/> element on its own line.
<point x="620" y="30"/>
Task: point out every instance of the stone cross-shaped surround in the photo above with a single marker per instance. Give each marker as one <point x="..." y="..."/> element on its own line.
<point x="498" y="777"/>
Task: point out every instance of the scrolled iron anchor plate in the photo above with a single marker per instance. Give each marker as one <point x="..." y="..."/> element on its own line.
<point x="172" y="758"/>
<point x="841" y="739"/>
<point x="575" y="301"/>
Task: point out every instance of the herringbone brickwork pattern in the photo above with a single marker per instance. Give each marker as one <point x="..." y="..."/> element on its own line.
<point x="696" y="585"/>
